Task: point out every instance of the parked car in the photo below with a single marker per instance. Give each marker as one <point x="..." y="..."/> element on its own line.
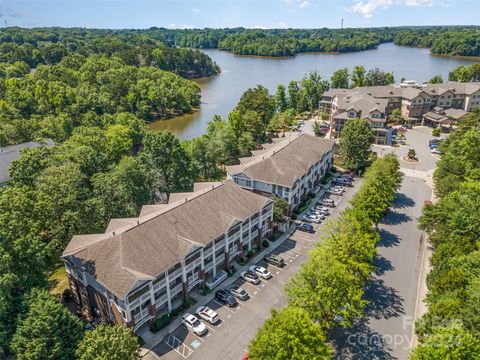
<point x="306" y="228"/>
<point x="312" y="219"/>
<point x="434" y="141"/>
<point x="327" y="202"/>
<point x="192" y="323"/>
<point x="261" y="271"/>
<point x="225" y="297"/>
<point x="237" y="292"/>
<point x="274" y="260"/>
<point x="323" y="210"/>
<point x="435" y="151"/>
<point x="207" y="314"/>
<point x="315" y="212"/>
<point x="336" y="191"/>
<point x="250" y="276"/>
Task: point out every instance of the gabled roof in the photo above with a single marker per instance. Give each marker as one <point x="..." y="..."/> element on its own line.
<point x="284" y="164"/>
<point x="153" y="243"/>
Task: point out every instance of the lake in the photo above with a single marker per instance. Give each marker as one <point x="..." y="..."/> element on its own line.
<point x="221" y="93"/>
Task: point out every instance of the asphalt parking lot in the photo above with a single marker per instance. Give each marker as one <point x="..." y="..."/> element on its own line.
<point x="229" y="338"/>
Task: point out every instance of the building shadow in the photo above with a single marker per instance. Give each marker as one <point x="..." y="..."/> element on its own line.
<point x="387" y="239"/>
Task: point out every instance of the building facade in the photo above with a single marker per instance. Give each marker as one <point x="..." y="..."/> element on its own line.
<point x="289" y="168"/>
<point x="375" y="103"/>
<point x="144" y="267"/>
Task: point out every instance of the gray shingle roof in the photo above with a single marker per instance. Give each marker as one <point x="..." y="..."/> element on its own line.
<point x="119" y="260"/>
<point x="286" y="163"/>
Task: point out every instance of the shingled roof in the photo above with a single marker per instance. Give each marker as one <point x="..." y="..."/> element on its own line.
<point x="285" y="163"/>
<point x="145" y="247"/>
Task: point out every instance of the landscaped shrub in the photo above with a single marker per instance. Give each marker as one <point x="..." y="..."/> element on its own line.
<point x="251" y="252"/>
<point x="159" y="324"/>
<point x="265" y="243"/>
<point x="231" y="270"/>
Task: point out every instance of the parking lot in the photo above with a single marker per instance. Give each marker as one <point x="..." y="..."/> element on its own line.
<point x="229" y="338"/>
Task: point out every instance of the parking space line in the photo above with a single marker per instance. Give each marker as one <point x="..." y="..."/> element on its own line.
<point x="224" y="307"/>
<point x="198" y="337"/>
<point x="209" y="328"/>
<point x="176" y="345"/>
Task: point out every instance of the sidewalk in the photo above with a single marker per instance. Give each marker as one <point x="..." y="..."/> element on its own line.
<point x="153" y="339"/>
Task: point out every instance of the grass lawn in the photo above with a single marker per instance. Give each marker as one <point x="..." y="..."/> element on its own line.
<point x="57" y="281"/>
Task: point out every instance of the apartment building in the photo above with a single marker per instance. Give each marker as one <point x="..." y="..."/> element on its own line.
<point x="343" y="105"/>
<point x="144" y="267"/>
<point x="375" y="103"/>
<point x="289" y="167"/>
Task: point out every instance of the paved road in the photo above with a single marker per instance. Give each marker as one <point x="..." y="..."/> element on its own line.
<point x="229" y="339"/>
<point x="387" y="331"/>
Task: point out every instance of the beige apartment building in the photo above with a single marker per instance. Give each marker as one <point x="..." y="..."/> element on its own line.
<point x="375" y="103"/>
<point x="144" y="267"/>
<point x="290" y="167"/>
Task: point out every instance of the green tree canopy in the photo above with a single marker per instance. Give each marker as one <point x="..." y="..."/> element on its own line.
<point x="340" y="79"/>
<point x="289" y="334"/>
<point x="357" y="137"/>
<point x="46" y="330"/>
<point x="109" y="342"/>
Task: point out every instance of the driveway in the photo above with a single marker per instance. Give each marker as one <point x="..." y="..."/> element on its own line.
<point x="395" y="290"/>
<point x="230" y="338"/>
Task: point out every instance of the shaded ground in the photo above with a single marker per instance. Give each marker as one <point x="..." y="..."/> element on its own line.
<point x="386" y="331"/>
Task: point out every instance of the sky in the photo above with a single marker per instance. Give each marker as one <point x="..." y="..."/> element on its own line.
<point x="120" y="14"/>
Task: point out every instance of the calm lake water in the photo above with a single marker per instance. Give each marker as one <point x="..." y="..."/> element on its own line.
<point x="221" y="93"/>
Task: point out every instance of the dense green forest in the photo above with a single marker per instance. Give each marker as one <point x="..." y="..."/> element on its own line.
<point x="55" y="99"/>
<point x="451" y="327"/>
<point x="442" y="40"/>
<point x="50" y="45"/>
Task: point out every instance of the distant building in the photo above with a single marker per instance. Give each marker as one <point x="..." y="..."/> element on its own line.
<point x="375" y="103"/>
<point x="9" y="154"/>
<point x="290" y="167"/>
<point x="144" y="267"/>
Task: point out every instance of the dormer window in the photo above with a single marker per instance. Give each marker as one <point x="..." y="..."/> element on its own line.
<point x="351" y="114"/>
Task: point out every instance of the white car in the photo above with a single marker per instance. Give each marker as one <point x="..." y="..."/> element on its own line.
<point x="336" y="192"/>
<point x="250" y="276"/>
<point x="316" y="213"/>
<point x="312" y="219"/>
<point x="327" y="202"/>
<point x="207" y="314"/>
<point x="322" y="210"/>
<point x="435" y="151"/>
<point x="261" y="271"/>
<point x="192" y="323"/>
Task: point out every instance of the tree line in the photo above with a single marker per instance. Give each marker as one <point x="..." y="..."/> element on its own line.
<point x="328" y="291"/>
<point x="55" y="99"/>
<point x="451" y="326"/>
<point x="464" y="41"/>
<point x="48" y="46"/>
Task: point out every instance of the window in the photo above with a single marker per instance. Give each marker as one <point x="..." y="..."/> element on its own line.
<point x="234" y="230"/>
<point x="248" y="183"/>
<point x="219" y="252"/>
<point x="440" y="103"/>
<point x="351" y="114"/>
<point x="449" y="96"/>
<point x="414" y="101"/>
<point x="442" y="97"/>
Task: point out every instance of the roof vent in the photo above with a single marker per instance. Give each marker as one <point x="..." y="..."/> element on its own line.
<point x="138" y="222"/>
<point x="113" y="233"/>
<point x="186" y="200"/>
<point x="213" y="186"/>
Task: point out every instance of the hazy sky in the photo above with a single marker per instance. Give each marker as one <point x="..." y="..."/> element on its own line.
<point x="232" y="13"/>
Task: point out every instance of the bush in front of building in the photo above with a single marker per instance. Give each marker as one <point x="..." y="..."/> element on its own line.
<point x="160" y="323"/>
<point x="231" y="270"/>
<point x="265" y="243"/>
